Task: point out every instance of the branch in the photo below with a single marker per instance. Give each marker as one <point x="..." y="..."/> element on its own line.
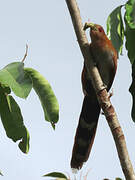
<point x="101" y="92"/>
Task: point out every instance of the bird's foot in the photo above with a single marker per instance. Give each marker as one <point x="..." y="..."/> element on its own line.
<point x="104" y="86"/>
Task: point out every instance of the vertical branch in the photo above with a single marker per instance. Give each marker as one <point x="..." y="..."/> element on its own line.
<point x="83" y="43"/>
<point x="102" y="94"/>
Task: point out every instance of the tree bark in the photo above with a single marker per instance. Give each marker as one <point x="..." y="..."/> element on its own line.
<point x="102" y="95"/>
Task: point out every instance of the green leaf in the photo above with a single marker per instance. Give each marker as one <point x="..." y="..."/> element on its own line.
<point x="61" y="179"/>
<point x="13" y="75"/>
<point x="130" y="29"/>
<point x="130" y="45"/>
<point x="6" y="88"/>
<point x="115" y="29"/>
<point x="1" y="173"/>
<point x="132" y="91"/>
<point x="13" y="121"/>
<point x="130" y="13"/>
<point x="46" y="95"/>
<point x="118" y="179"/>
<point x="56" y="175"/>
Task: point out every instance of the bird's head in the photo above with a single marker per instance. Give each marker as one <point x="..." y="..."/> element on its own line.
<point x="96" y="32"/>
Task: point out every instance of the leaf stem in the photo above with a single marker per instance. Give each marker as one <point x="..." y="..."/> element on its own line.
<point x="26" y="53"/>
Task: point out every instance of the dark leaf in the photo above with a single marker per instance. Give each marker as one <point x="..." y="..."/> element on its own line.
<point x="56" y="175"/>
<point x="115" y="29"/>
<point x="13" y="75"/>
<point x="6" y="88"/>
<point x="1" y="173"/>
<point x="130" y="29"/>
<point x="13" y="121"/>
<point x="132" y="91"/>
<point x="130" y="45"/>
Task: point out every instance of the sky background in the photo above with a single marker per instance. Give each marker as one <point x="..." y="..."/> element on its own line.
<point x="53" y="50"/>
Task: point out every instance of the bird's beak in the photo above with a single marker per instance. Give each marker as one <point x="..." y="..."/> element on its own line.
<point x="90" y="25"/>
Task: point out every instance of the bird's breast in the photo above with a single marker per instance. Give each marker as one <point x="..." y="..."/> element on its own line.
<point x="104" y="60"/>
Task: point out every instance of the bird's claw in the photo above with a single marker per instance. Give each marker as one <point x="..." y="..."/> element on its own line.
<point x="105" y="86"/>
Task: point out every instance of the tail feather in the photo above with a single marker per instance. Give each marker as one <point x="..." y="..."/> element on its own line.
<point x="85" y="132"/>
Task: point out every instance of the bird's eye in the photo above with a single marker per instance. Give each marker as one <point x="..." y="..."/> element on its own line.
<point x="100" y="29"/>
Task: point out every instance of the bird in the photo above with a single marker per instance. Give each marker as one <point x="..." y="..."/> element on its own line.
<point x="105" y="57"/>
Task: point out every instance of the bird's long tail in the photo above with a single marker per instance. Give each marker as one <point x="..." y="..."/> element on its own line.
<point x="85" y="132"/>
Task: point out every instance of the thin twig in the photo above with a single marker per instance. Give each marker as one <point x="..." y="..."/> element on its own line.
<point x="102" y="94"/>
<point x="26" y="53"/>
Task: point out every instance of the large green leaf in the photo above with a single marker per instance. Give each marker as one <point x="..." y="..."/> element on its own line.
<point x="14" y="76"/>
<point x="115" y="29"/>
<point x="13" y="121"/>
<point x="130" y="45"/>
<point x="130" y="29"/>
<point x="132" y="91"/>
<point x="46" y="95"/>
<point x="56" y="175"/>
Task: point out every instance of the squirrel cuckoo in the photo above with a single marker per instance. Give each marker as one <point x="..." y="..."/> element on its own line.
<point x="105" y="58"/>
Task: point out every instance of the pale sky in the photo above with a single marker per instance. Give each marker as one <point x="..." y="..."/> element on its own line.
<point x="53" y="50"/>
